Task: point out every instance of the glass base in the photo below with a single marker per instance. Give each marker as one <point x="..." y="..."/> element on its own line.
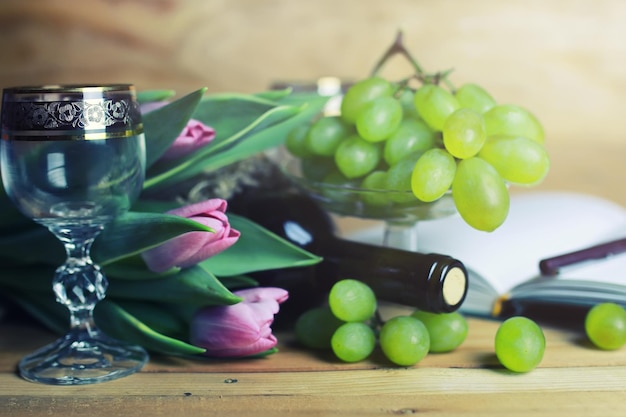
<point x="78" y="361"/>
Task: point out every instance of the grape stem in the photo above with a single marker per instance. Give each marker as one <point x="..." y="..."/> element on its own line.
<point x="377" y="320"/>
<point x="397" y="47"/>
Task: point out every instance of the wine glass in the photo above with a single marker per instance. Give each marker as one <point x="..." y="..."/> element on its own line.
<point x="72" y="159"/>
<point x="399" y="210"/>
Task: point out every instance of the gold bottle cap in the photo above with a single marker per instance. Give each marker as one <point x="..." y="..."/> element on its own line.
<point x="454" y="286"/>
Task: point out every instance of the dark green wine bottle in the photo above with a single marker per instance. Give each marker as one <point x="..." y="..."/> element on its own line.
<point x="430" y="282"/>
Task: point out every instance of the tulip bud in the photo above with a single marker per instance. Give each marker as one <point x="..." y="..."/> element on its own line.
<point x="241" y="329"/>
<point x="193" y="136"/>
<point x="190" y="248"/>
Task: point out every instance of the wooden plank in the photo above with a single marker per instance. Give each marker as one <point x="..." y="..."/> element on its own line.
<point x="336" y="383"/>
<point x="427" y="391"/>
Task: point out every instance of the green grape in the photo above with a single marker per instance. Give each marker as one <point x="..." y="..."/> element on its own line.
<point x="404" y="340"/>
<point x="353" y="342"/>
<point x="362" y="93"/>
<point x="464" y="133"/>
<point x="517" y="159"/>
<point x="295" y="142"/>
<point x="605" y="326"/>
<point x="433" y="174"/>
<point x="334" y="188"/>
<point x="352" y="300"/>
<point x="473" y="96"/>
<point x="326" y="134"/>
<point x="446" y="330"/>
<point x="315" y="168"/>
<point x="356" y="157"/>
<point x="379" y="118"/>
<point x="412" y="135"/>
<point x="511" y="120"/>
<point x="435" y="104"/>
<point x="375" y="180"/>
<point x="406" y="98"/>
<point x="480" y="194"/>
<point x="399" y="178"/>
<point x="315" y="327"/>
<point x="520" y="344"/>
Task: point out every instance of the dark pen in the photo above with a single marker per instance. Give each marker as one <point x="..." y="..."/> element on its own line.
<point x="550" y="266"/>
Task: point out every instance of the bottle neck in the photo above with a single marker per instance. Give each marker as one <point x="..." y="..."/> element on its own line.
<point x="430" y="282"/>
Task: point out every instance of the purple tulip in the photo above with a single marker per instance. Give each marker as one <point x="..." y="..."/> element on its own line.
<point x="241" y="329"/>
<point x="194" y="136"/>
<point x="190" y="248"/>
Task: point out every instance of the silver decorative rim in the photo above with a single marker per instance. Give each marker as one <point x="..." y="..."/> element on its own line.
<point x="70" y="113"/>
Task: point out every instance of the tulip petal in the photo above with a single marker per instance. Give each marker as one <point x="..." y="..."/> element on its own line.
<point x="193" y="137"/>
<point x="259" y="346"/>
<point x="200" y="208"/>
<point x="191" y="248"/>
<point x="251" y="295"/>
<point x="265" y="308"/>
<point x="242" y="329"/>
<point x="215" y="328"/>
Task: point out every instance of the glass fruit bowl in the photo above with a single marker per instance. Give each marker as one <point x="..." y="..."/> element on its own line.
<point x="399" y="210"/>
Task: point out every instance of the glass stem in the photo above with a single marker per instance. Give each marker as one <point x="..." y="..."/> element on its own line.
<point x="79" y="284"/>
<point x="401" y="235"/>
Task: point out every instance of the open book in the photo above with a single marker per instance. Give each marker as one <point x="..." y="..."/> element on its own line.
<point x="504" y="265"/>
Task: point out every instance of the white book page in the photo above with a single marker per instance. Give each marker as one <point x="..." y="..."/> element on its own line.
<point x="539" y="225"/>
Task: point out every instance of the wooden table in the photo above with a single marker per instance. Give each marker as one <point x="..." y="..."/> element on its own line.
<point x="573" y="379"/>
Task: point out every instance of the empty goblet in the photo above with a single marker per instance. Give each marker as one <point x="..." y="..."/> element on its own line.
<point x="72" y="159"/>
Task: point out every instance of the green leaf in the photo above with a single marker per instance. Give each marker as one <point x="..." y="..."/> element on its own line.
<point x="266" y="139"/>
<point x="194" y="285"/>
<point x="112" y="319"/>
<point x="234" y="143"/>
<point x="43" y="307"/>
<point x="32" y="245"/>
<point x="160" y="317"/>
<point x="261" y="250"/>
<point x="133" y="268"/>
<point x="150" y="96"/>
<point x="236" y="282"/>
<point x="119" y="323"/>
<point x="154" y="206"/>
<point x="134" y="232"/>
<point x="37" y="278"/>
<point x="163" y="125"/>
<point x="274" y="94"/>
<point x="231" y="113"/>
<point x="171" y="172"/>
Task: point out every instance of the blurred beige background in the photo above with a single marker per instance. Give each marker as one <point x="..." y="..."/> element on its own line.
<point x="563" y="59"/>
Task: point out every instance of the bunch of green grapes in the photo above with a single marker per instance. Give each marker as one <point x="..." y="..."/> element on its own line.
<point x="348" y="325"/>
<point x="423" y="143"/>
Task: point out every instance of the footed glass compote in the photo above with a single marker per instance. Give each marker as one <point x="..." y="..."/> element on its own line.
<point x="72" y="159"/>
<point x="399" y="210"/>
